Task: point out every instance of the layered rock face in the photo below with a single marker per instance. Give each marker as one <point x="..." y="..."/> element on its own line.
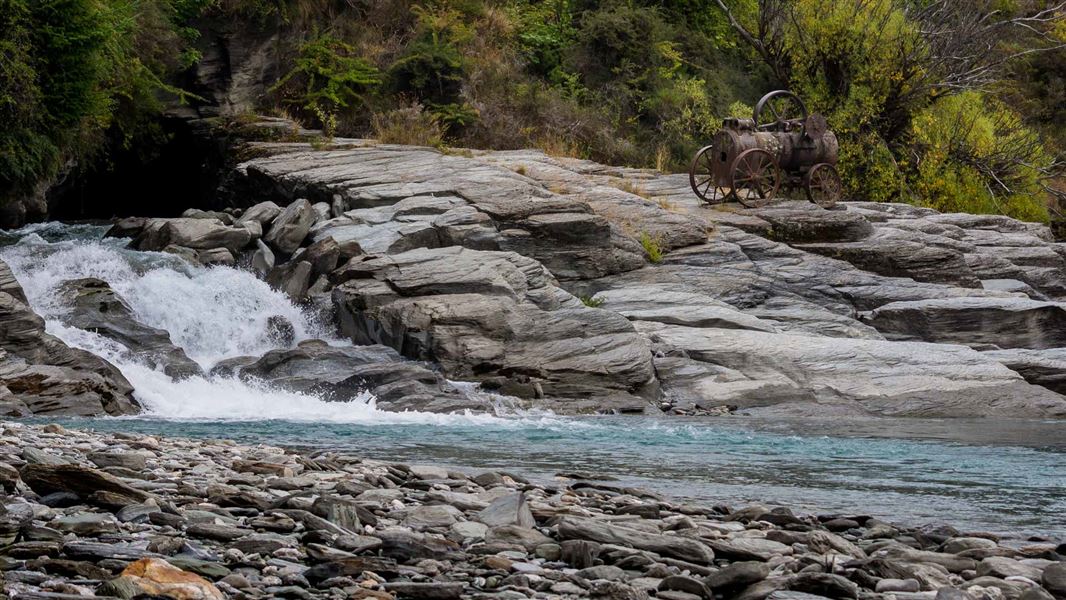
<point x="39" y="374"/>
<point x="583" y="287"/>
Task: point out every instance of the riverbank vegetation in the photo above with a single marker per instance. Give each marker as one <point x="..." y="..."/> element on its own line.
<point x="956" y="105"/>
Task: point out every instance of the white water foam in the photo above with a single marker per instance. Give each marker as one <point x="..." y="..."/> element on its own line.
<point x="212" y="313"/>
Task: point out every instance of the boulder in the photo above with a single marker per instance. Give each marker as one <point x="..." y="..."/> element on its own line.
<point x="98" y="308"/>
<point x="1054" y="579"/>
<point x="579" y="528"/>
<point x="262" y="259"/>
<point x="288" y="230"/>
<point x="89" y="484"/>
<point x="291" y="278"/>
<point x="197" y="234"/>
<point x="511" y="509"/>
<point x="493" y="317"/>
<point x="40" y="374"/>
<point x="262" y="213"/>
<point x="157" y="577"/>
<point x="342" y="373"/>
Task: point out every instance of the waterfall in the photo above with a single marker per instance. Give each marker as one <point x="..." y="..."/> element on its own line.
<point x="213" y="313"/>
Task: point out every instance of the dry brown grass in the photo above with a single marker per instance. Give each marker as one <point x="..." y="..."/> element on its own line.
<point x="410" y="126"/>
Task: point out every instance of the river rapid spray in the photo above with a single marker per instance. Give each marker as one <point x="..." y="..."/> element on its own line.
<point x="213" y="313"/>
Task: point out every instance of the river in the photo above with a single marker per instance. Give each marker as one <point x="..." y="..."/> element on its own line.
<point x="1004" y="476"/>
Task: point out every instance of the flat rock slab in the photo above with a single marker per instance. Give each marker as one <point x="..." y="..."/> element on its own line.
<point x="989" y="322"/>
<point x="849" y="376"/>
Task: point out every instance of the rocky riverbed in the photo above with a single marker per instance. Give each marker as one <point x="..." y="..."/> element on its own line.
<point x="128" y="515"/>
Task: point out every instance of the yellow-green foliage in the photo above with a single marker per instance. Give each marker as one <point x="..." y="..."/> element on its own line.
<point x="652" y="247"/>
<point x="956" y="137"/>
<point x="847" y="62"/>
<point x="861" y="64"/>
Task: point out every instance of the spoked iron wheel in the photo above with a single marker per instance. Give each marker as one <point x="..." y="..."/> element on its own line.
<point x="777" y="107"/>
<point x="702" y="178"/>
<point x="823" y="185"/>
<point x="755" y="177"/>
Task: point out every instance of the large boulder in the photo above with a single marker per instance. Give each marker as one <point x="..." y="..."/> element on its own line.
<point x="288" y="229"/>
<point x="493" y="317"/>
<point x="1041" y="367"/>
<point x="39" y="374"/>
<point x="342" y="373"/>
<point x="95" y="307"/>
<point x="196" y="234"/>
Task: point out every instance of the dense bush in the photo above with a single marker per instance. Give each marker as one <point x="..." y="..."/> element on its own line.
<point x="77" y="75"/>
<point x="635" y="82"/>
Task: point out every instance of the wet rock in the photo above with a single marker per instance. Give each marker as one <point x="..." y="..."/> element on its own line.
<point x="263" y="259"/>
<point x="98" y="308"/>
<point x="218" y="256"/>
<point x="291" y="278"/>
<point x="40" y="374"/>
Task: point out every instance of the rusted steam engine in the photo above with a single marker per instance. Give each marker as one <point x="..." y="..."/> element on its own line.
<point x="750" y="160"/>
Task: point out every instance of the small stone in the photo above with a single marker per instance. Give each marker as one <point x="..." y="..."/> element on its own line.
<point x="898" y="585"/>
<point x="549" y="551"/>
<point x="608" y="572"/>
<point x="86" y="524"/>
<point x="507" y="510"/>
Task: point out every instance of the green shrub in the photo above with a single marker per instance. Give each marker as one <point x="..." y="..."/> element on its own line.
<point x="328" y="77"/>
<point x="432" y="66"/>
<point x="976" y="156"/>
<point x="79" y="75"/>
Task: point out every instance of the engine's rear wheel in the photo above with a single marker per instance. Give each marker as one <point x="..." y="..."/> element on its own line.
<point x="823" y="184"/>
